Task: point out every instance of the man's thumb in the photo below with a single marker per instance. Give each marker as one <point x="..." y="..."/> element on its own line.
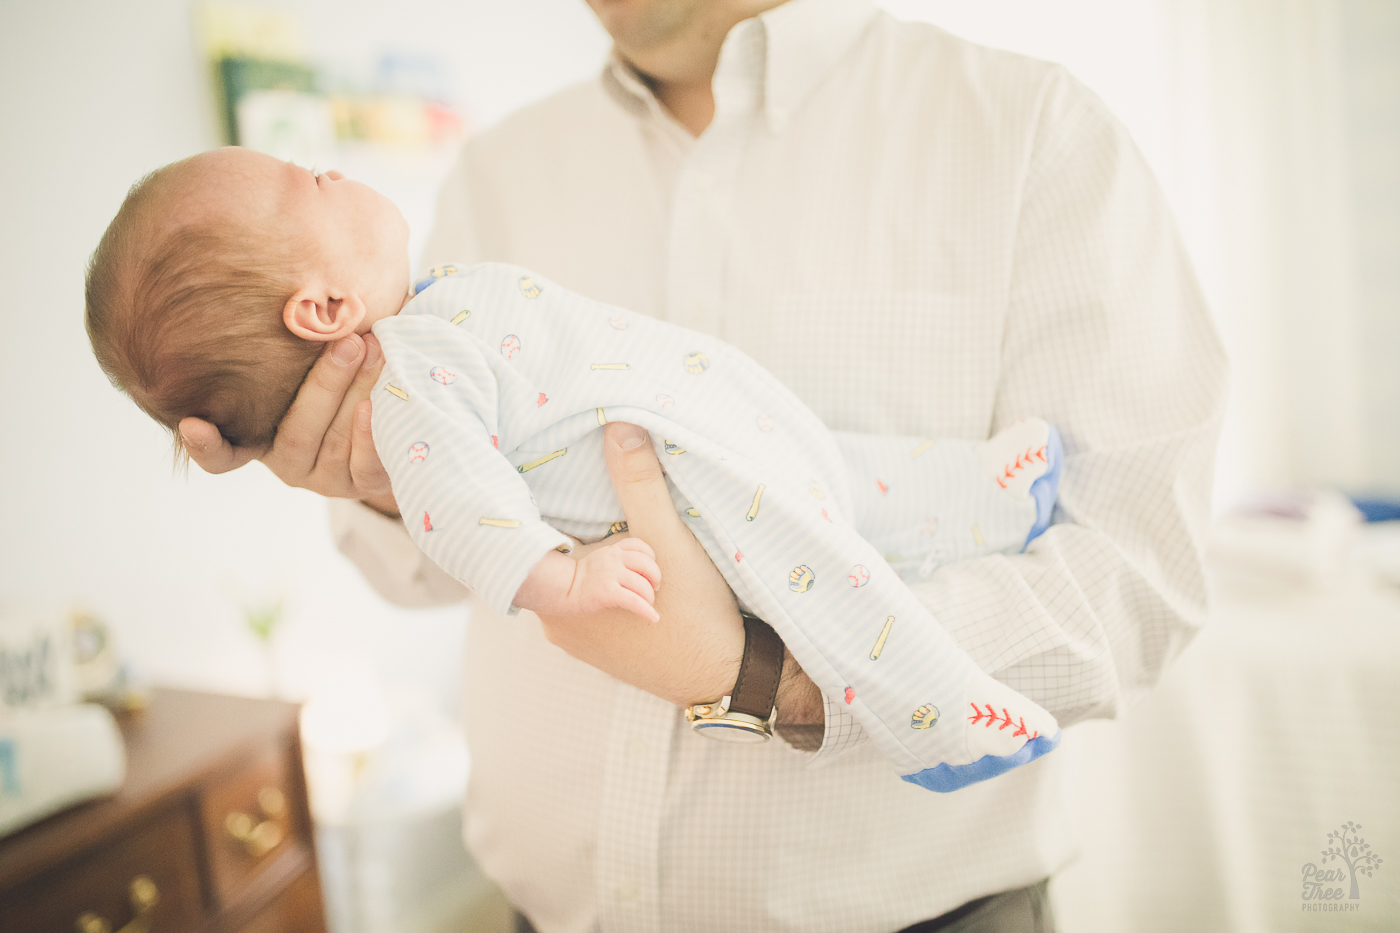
<point x="636" y="474"/>
<point x="208" y="448"/>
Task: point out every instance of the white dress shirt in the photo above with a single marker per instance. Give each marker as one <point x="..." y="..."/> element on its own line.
<point x="918" y="236"/>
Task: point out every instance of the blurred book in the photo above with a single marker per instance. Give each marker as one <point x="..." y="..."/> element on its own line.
<point x="53" y="758"/>
<point x="280" y="97"/>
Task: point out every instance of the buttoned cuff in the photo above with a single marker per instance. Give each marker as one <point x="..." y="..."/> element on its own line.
<point x="840" y="734"/>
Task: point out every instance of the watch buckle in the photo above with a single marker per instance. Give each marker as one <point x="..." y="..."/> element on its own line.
<point x="707" y="710"/>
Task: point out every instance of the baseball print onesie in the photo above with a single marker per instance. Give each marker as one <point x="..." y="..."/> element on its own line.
<point x="487" y="416"/>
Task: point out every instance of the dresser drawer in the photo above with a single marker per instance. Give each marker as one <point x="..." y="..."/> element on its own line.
<point x="252" y="824"/>
<point x="151" y="870"/>
<point x="296" y="910"/>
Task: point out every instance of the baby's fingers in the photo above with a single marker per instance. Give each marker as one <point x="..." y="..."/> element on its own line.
<point x="636" y="544"/>
<point x="641" y="561"/>
<point x="638" y="584"/>
<point x="626" y="598"/>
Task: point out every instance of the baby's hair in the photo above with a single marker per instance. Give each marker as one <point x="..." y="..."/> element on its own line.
<point x="187" y="319"/>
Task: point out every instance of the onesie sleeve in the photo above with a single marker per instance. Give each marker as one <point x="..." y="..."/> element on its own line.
<point x="435" y="426"/>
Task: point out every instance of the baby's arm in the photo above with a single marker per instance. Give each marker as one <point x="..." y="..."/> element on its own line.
<point x="622" y="576"/>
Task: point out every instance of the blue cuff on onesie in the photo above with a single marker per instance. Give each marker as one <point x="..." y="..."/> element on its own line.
<point x="487" y="416"/>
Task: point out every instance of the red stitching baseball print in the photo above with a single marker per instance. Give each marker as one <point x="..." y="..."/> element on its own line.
<point x="1022" y="461"/>
<point x="991" y="716"/>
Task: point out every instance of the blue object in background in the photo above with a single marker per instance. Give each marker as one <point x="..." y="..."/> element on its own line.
<point x="9" y="771"/>
<point x="1378" y="508"/>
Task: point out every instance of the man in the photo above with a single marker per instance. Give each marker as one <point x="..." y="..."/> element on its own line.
<point x="917" y="236"/>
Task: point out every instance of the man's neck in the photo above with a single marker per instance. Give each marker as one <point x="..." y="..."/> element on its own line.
<point x="679" y="68"/>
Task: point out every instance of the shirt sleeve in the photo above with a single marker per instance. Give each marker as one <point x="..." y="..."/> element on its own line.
<point x="435" y="427"/>
<point x="1108" y="338"/>
<point x="387" y="558"/>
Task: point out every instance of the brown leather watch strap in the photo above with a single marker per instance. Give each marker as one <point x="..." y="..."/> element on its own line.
<point x="759" y="671"/>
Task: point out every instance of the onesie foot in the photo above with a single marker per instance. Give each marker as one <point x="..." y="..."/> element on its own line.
<point x="1004" y="731"/>
<point x="947" y="778"/>
<point x="1025" y="460"/>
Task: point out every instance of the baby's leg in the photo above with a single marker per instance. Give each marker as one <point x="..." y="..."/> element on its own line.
<point x="800" y="563"/>
<point x="926" y="503"/>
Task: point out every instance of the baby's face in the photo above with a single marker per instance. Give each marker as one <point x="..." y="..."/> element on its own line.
<point x="346" y="232"/>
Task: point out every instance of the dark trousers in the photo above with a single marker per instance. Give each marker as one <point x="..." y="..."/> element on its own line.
<point x="1022" y="910"/>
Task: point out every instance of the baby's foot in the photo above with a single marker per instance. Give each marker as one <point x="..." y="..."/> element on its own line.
<point x="1025" y="461"/>
<point x="1004" y="730"/>
<point x="1001" y="721"/>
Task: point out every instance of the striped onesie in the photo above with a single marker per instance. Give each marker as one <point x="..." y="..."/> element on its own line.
<point x="487" y="417"/>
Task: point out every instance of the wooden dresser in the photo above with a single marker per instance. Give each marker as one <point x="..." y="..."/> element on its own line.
<point x="209" y="834"/>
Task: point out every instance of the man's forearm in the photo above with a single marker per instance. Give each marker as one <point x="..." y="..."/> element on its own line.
<point x="801" y="712"/>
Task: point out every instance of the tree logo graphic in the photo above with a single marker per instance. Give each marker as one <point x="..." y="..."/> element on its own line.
<point x="1347" y="846"/>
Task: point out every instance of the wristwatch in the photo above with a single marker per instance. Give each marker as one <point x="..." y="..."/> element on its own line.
<point x="747" y="714"/>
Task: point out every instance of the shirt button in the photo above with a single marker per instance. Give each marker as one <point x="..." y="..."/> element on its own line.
<point x="627" y="892"/>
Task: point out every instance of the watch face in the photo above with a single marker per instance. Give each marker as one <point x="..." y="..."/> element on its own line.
<point x="731" y="731"/>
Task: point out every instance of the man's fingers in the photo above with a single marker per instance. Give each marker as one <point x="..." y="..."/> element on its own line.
<point x="337" y="453"/>
<point x="366" y="470"/>
<point x="208" y="448"/>
<point x="301" y="432"/>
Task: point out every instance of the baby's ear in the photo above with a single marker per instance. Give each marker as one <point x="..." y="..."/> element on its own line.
<point x="314" y="314"/>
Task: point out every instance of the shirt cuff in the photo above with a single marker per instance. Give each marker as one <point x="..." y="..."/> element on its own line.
<point x="839" y="734"/>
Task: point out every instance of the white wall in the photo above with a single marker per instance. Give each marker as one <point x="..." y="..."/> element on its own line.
<point x="93" y="95"/>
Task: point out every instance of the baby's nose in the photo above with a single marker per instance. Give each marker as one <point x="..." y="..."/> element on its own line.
<point x="333" y="175"/>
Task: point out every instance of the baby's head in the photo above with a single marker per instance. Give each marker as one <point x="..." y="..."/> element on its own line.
<point x="223" y="276"/>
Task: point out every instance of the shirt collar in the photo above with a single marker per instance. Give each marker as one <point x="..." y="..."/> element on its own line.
<point x="803" y="41"/>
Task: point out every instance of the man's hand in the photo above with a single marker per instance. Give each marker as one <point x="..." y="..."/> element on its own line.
<point x="693" y="653"/>
<point x="324" y="442"/>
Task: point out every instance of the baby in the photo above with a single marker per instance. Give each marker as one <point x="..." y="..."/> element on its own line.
<point x="215" y="287"/>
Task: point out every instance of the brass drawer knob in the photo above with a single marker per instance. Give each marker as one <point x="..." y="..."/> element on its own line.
<point x="144" y="898"/>
<point x="273" y="802"/>
<point x="259" y="838"/>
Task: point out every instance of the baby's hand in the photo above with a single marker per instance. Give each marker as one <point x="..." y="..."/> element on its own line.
<point x="624" y="575"/>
